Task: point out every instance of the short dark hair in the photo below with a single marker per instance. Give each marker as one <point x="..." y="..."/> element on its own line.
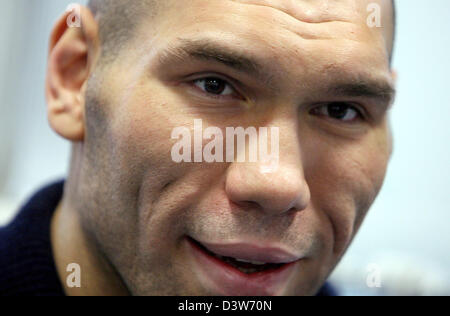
<point x="119" y="18"/>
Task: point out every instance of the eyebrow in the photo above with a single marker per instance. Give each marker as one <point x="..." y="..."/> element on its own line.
<point x="380" y="90"/>
<point x="211" y="50"/>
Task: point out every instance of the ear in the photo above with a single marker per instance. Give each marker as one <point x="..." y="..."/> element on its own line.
<point x="72" y="54"/>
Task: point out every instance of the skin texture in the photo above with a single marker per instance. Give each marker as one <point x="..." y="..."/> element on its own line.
<point x="127" y="207"/>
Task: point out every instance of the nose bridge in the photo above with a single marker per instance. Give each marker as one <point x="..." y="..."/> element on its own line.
<point x="276" y="185"/>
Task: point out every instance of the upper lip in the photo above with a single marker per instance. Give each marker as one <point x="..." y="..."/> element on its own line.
<point x="251" y="252"/>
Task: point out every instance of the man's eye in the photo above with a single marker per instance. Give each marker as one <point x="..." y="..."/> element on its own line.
<point x="215" y="86"/>
<point x="339" y="111"/>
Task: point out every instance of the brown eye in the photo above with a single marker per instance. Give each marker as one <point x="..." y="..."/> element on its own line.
<point x="339" y="111"/>
<point x="215" y="86"/>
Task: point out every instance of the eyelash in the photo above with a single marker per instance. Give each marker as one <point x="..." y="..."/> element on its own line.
<point x="348" y="106"/>
<point x="228" y="85"/>
<point x="235" y="93"/>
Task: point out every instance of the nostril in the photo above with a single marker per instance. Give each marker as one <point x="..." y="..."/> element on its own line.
<point x="294" y="210"/>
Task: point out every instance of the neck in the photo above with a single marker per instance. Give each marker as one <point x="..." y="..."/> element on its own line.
<point x="70" y="245"/>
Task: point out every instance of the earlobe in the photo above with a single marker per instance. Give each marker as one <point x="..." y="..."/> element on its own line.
<point x="71" y="55"/>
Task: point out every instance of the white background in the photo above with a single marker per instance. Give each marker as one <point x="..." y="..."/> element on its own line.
<point x="406" y="235"/>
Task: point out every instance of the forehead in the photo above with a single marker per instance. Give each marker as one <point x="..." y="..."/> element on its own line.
<point x="308" y="19"/>
<point x="307" y="36"/>
<point x="311" y="11"/>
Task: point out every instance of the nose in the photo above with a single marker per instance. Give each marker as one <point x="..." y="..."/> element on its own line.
<point x="285" y="189"/>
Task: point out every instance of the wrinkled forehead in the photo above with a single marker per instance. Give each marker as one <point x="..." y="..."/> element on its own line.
<point x="315" y="7"/>
<point x="322" y="11"/>
<point x="312" y="11"/>
<point x="298" y="13"/>
<point x="312" y="27"/>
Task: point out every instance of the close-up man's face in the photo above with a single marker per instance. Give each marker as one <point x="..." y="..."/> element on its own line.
<point x="313" y="69"/>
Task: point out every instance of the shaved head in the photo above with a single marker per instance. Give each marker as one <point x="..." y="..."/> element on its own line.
<point x="119" y="19"/>
<point x="141" y="222"/>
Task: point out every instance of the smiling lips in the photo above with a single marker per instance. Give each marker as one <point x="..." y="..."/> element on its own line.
<point x="243" y="269"/>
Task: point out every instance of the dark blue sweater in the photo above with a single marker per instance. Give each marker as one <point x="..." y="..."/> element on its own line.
<point x="26" y="259"/>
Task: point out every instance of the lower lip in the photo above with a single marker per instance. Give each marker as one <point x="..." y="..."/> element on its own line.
<point x="229" y="281"/>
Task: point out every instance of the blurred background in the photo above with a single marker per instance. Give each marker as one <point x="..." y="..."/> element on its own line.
<point x="403" y="247"/>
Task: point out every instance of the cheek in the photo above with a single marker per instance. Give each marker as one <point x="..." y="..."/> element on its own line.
<point x="344" y="180"/>
<point x="141" y="134"/>
<point x="141" y="139"/>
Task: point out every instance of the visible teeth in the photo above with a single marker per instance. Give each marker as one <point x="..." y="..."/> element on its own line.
<point x="252" y="262"/>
